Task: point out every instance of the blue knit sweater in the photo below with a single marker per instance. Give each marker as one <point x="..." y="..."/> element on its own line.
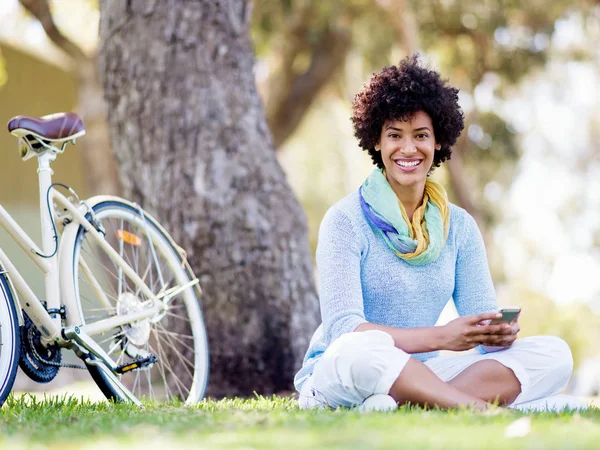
<point x="361" y="280"/>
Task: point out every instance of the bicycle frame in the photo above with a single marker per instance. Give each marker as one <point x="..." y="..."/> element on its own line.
<point x="56" y="262"/>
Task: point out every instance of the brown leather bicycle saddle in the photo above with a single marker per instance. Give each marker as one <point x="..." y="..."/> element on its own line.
<point x="55" y="127"/>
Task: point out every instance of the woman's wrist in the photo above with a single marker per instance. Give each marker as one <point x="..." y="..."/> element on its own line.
<point x="438" y="338"/>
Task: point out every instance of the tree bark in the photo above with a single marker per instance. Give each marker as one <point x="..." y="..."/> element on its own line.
<point x="189" y="130"/>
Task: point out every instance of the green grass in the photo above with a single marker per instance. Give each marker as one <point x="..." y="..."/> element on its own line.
<point x="273" y="423"/>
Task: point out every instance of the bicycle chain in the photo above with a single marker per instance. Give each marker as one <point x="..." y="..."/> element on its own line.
<point x="47" y="362"/>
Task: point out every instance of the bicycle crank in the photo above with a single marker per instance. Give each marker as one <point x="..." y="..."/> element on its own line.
<point x="101" y="359"/>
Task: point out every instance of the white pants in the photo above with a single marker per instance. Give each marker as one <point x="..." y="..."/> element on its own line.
<point x="358" y="365"/>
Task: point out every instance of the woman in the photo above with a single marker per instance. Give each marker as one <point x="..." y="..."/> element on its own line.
<point x="389" y="258"/>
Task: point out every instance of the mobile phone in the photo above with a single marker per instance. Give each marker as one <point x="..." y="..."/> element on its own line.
<point x="509" y="313"/>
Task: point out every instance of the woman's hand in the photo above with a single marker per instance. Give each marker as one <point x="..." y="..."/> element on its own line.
<point x="468" y="332"/>
<point x="508" y="339"/>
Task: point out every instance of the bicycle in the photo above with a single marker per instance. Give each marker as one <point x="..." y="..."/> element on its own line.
<point x="119" y="291"/>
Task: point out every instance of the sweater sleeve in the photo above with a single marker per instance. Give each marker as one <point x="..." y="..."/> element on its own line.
<point x="473" y="288"/>
<point x="338" y="266"/>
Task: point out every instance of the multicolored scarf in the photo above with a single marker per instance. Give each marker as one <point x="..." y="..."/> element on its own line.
<point x="418" y="243"/>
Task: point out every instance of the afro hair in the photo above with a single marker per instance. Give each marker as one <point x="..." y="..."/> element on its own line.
<point x="398" y="92"/>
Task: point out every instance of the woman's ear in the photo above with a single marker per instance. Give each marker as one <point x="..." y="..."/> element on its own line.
<point x="438" y="146"/>
<point x="377" y="147"/>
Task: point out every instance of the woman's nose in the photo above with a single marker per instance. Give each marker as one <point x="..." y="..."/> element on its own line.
<point x="409" y="148"/>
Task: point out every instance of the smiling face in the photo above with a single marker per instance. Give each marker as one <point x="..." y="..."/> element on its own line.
<point x="407" y="149"/>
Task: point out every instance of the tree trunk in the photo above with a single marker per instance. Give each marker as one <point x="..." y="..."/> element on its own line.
<point x="189" y="130"/>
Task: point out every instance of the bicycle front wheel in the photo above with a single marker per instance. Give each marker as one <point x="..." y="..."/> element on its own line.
<point x="9" y="339"/>
<point x="176" y="337"/>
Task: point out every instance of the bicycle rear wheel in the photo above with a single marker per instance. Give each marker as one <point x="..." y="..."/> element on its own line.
<point x="177" y="337"/>
<point x="9" y="339"/>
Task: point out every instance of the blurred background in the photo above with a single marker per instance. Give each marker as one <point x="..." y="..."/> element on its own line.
<point x="527" y="166"/>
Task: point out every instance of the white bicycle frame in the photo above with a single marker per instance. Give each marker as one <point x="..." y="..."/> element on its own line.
<point x="55" y="267"/>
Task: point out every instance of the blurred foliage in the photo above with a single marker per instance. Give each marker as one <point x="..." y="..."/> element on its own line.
<point x="473" y="38"/>
<point x="469" y="37"/>
<point x="274" y="20"/>
<point x="576" y="323"/>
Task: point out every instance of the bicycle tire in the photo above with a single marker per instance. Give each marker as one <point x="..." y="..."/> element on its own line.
<point x="178" y="338"/>
<point x="9" y="339"/>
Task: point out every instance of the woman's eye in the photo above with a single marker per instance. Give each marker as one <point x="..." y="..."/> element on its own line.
<point x="393" y="135"/>
<point x="422" y="135"/>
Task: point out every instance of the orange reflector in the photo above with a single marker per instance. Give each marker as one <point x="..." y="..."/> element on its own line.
<point x="129" y="238"/>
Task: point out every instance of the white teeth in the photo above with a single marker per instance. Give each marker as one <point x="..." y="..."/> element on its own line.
<point x="407" y="164"/>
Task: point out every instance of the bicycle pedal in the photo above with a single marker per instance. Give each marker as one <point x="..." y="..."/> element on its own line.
<point x="135" y="365"/>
